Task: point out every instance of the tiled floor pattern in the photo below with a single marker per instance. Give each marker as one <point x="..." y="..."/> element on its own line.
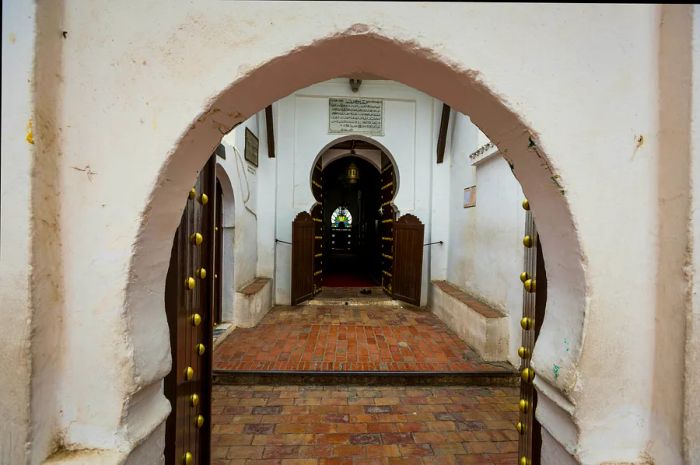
<point x="313" y="425"/>
<point x="349" y="338"/>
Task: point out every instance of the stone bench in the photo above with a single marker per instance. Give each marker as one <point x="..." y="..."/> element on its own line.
<point x="484" y="328"/>
<point x="252" y="302"/>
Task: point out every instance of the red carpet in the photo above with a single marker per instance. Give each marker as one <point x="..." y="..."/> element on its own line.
<point x="340" y="279"/>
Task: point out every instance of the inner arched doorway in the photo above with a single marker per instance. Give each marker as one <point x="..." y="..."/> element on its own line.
<point x="352" y="200"/>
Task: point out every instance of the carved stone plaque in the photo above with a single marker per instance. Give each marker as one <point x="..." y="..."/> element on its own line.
<point x="361" y="115"/>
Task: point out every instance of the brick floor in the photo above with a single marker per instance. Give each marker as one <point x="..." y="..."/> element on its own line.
<point x="331" y="425"/>
<point x="349" y="338"/>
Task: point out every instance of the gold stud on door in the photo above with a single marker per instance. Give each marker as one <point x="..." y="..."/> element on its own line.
<point x="197" y="238"/>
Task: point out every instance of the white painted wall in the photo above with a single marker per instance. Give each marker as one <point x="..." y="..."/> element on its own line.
<point x="228" y="233"/>
<point x="243" y="233"/>
<point x="485" y="251"/>
<point x="144" y="109"/>
<point x="18" y="42"/>
<point x="303" y="134"/>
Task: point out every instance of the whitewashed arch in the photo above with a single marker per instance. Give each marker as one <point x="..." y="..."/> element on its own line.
<point x="392" y="59"/>
<point x="529" y="104"/>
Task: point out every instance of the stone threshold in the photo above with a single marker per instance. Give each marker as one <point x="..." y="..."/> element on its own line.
<point x="367" y="378"/>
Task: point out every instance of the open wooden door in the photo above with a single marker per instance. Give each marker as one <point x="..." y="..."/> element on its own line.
<point x="317" y="216"/>
<point x="386" y="247"/>
<point x="218" y="256"/>
<point x="189" y="297"/>
<point x="386" y="227"/>
<point x="408" y="259"/>
<point x="534" y="278"/>
<point x="303" y="243"/>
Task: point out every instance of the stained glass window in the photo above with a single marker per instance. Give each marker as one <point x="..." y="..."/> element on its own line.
<point x="341" y="218"/>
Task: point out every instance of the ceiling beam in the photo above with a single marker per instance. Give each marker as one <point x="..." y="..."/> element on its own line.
<point x="442" y="135"/>
<point x="270" y="132"/>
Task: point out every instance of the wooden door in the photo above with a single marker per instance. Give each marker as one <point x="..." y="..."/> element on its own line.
<point x="386" y="246"/>
<point x="189" y="294"/>
<point x="386" y="226"/>
<point x="319" y="228"/>
<point x="303" y="238"/>
<point x="408" y="259"/>
<point x="534" y="280"/>
<point x="218" y="255"/>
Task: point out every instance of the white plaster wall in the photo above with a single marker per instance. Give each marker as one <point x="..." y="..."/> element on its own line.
<point x="485" y="248"/>
<point x="244" y="180"/>
<point x="18" y="44"/>
<point x="170" y="88"/>
<point x="266" y="203"/>
<point x="440" y="198"/>
<point x="228" y="225"/>
<point x="462" y="227"/>
<point x="303" y="134"/>
<point x="691" y="425"/>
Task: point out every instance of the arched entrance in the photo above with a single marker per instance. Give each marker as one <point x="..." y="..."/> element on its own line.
<point x="358" y="185"/>
<point x="461" y="90"/>
<point x="225" y="236"/>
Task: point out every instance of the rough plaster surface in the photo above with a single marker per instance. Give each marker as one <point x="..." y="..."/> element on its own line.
<point x="131" y="108"/>
<point x="488" y="336"/>
<point x="691" y="425"/>
<point x="252" y="307"/>
<point x="18" y="44"/>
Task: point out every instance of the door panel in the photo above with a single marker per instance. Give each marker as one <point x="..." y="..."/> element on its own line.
<point x="190" y="291"/>
<point x="303" y="232"/>
<point x="386" y="246"/>
<point x="218" y="256"/>
<point x="386" y="226"/>
<point x="534" y="300"/>
<point x="319" y="228"/>
<point x="408" y="259"/>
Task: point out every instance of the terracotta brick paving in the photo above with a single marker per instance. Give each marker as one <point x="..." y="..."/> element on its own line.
<point x="349" y="338"/>
<point x="331" y="425"/>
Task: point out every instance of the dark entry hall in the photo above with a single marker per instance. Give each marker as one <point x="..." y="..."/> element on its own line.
<point x="351" y="205"/>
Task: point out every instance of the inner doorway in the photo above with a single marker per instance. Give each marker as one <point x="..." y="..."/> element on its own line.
<point x="351" y="215"/>
<point x="354" y="182"/>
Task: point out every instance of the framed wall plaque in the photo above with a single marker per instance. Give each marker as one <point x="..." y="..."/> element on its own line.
<point x="363" y="115"/>
<point x="470" y="197"/>
<point x="251" y="147"/>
